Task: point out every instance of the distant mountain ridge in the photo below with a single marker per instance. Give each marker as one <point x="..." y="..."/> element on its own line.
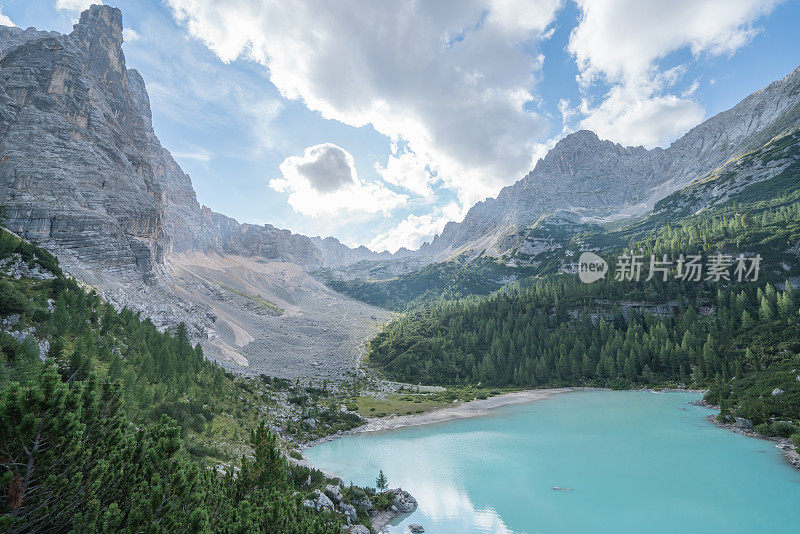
<point x="598" y="179"/>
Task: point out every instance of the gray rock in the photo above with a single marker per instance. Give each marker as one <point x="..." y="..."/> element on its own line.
<point x="416" y="528"/>
<point x="404" y="502"/>
<point x="359" y="529"/>
<point x="363" y="505"/>
<point x="308" y="503"/>
<point x="584" y="176"/>
<point x="349" y="511"/>
<point x="744" y="424"/>
<point x="323" y="502"/>
<point x="777" y="391"/>
<point x="335" y="492"/>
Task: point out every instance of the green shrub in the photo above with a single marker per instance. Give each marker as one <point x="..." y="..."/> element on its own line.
<point x="296" y="455"/>
<point x="783" y="429"/>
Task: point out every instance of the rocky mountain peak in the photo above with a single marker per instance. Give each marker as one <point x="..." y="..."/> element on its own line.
<point x="99" y="33"/>
<point x="100" y="21"/>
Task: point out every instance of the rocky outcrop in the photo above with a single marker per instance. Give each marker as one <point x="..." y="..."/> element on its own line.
<point x="74" y="162"/>
<point x="403" y="501"/>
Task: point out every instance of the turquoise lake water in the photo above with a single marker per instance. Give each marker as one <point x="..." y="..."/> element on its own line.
<point x="635" y="462"/>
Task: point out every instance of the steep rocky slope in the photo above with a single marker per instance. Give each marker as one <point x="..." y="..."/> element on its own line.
<point x="83" y="173"/>
<point x="601" y="180"/>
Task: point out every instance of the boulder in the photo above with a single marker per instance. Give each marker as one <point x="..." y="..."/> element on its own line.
<point x="363" y="505"/>
<point x="335" y="492"/>
<point x="350" y="511"/>
<point x="777" y="391"/>
<point x="308" y="503"/>
<point x="404" y="502"/>
<point x="359" y="529"/>
<point x="416" y="528"/>
<point x="744" y="424"/>
<point x="323" y="502"/>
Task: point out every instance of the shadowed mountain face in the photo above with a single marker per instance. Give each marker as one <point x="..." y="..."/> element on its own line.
<point x="83" y="173"/>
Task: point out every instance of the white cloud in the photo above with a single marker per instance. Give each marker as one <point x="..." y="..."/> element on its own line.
<point x="5" y="21"/>
<point x="415" y="230"/>
<point x="620" y="42"/>
<point x="130" y="35"/>
<point x="632" y="116"/>
<point x="324" y="181"/>
<point x="409" y="171"/>
<point x="199" y="155"/>
<point x="75" y="6"/>
<point x="448" y="80"/>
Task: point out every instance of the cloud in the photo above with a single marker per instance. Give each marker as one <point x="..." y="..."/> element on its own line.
<point x="632" y="116"/>
<point x="130" y="35"/>
<point x="199" y="155"/>
<point x="415" y="230"/>
<point x="409" y="171"/>
<point x="450" y="81"/>
<point x="324" y="181"/>
<point x="5" y="21"/>
<point x="75" y="6"/>
<point x="188" y="84"/>
<point x="620" y="43"/>
<point x="326" y="167"/>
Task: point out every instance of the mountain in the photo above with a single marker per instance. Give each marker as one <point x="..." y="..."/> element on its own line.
<point x="598" y="180"/>
<point x="83" y="173"/>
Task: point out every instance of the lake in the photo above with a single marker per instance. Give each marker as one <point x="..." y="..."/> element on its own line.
<point x="629" y="461"/>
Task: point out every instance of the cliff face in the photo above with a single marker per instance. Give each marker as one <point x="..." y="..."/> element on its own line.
<point x="82" y="171"/>
<point x="74" y="161"/>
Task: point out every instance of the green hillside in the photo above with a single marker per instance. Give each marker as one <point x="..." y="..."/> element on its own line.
<point x="120" y="428"/>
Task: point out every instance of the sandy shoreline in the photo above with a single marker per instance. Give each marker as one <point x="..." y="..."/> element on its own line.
<point x="461" y="410"/>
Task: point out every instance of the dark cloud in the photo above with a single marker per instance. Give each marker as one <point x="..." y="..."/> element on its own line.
<point x="327" y="168"/>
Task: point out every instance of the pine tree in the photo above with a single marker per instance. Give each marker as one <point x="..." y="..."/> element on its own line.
<point x="381" y="482"/>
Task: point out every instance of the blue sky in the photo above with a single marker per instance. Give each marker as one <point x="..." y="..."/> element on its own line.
<point x="378" y="122"/>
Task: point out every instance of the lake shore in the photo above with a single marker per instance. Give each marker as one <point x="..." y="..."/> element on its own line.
<point x="464" y="410"/>
<point x="785" y="445"/>
<point x="461" y="410"/>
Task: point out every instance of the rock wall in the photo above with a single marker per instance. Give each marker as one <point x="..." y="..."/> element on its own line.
<point x="74" y="162"/>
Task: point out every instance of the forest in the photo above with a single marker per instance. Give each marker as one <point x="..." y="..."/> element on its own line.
<point x="738" y="339"/>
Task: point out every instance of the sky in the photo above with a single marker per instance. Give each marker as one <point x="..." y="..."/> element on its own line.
<point x="378" y="122"/>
